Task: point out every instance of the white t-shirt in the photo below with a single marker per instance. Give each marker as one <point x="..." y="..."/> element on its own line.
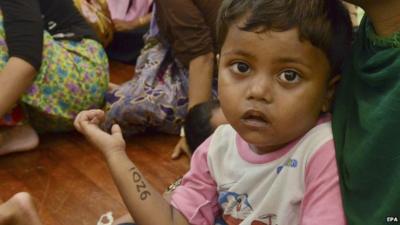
<point x="297" y="184"/>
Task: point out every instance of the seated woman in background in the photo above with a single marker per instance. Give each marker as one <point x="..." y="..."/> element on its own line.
<point x="174" y="71"/>
<point x="51" y="65"/>
<point x="131" y="21"/>
<point x="129" y="15"/>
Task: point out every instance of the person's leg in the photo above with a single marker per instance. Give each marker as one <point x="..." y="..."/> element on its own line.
<point x="13" y="136"/>
<point x="134" y="105"/>
<point x="73" y="77"/>
<point x="17" y="138"/>
<point x="19" y="210"/>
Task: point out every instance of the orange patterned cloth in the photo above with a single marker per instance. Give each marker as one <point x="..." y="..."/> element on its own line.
<point x="98" y="16"/>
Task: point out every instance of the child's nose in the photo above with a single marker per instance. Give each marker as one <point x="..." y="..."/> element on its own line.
<point x="261" y="89"/>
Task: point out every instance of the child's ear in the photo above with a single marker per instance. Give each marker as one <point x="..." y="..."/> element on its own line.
<point x="326" y="106"/>
<point x="217" y="57"/>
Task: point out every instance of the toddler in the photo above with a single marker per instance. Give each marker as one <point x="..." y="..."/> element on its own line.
<point x="274" y="163"/>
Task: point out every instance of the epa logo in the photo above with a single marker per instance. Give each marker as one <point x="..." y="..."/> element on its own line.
<point x="391" y="219"/>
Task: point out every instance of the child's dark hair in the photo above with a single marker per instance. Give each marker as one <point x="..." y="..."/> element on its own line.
<point x="197" y="124"/>
<point x="325" y="23"/>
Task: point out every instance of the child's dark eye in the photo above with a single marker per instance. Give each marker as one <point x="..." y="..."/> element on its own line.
<point x="289" y="76"/>
<point x="240" y="67"/>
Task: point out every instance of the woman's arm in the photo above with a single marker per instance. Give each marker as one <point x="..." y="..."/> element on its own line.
<point x="23" y="28"/>
<point x="201" y="71"/>
<point x="15" y="78"/>
<point x="384" y="16"/>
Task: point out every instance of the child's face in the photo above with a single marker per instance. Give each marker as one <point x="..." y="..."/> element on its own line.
<point x="272" y="86"/>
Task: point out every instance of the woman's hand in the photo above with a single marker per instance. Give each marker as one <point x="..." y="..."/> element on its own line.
<point x="123" y="26"/>
<point x="181" y="147"/>
<point x="87" y="122"/>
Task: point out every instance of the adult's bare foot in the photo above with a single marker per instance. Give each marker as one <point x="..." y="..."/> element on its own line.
<point x="17" y="139"/>
<point x="19" y="210"/>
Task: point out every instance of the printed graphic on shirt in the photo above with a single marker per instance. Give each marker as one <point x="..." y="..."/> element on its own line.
<point x="290" y="163"/>
<point x="237" y="208"/>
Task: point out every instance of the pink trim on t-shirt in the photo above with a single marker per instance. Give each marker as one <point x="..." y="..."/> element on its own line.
<point x="250" y="156"/>
<point x="322" y="202"/>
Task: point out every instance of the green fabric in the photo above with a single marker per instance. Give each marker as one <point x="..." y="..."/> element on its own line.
<point x="366" y="128"/>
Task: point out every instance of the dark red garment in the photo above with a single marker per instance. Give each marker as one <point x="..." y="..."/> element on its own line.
<point x="13" y="118"/>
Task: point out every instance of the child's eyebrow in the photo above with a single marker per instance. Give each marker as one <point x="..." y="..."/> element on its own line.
<point x="291" y="59"/>
<point x="239" y="52"/>
<point x="283" y="59"/>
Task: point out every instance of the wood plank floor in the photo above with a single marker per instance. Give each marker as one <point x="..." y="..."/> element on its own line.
<point x="69" y="179"/>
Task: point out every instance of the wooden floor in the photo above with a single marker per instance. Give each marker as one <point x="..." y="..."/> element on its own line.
<point x="69" y="179"/>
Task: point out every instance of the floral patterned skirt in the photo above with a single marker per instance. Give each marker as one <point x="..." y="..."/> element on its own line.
<point x="73" y="77"/>
<point x="155" y="99"/>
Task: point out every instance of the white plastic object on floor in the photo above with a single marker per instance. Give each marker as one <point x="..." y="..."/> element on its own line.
<point x="106" y="219"/>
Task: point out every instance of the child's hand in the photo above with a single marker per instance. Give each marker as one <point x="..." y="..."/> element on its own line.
<point x="87" y="122"/>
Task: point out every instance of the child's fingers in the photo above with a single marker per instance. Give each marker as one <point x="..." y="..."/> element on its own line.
<point x="88" y="117"/>
<point x="100" y="115"/>
<point x="98" y="118"/>
<point x="116" y="131"/>
<point x="94" y="113"/>
<point x="77" y="122"/>
<point x="81" y="120"/>
<point x="95" y="120"/>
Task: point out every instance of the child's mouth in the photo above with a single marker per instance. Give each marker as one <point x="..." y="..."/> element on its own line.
<point x="255" y="119"/>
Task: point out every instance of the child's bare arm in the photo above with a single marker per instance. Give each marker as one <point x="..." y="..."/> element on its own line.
<point x="144" y="203"/>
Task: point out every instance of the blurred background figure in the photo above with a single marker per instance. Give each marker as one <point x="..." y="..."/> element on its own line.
<point x="131" y="20"/>
<point x="356" y="13"/>
<point x="175" y="70"/>
<point x="52" y="66"/>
